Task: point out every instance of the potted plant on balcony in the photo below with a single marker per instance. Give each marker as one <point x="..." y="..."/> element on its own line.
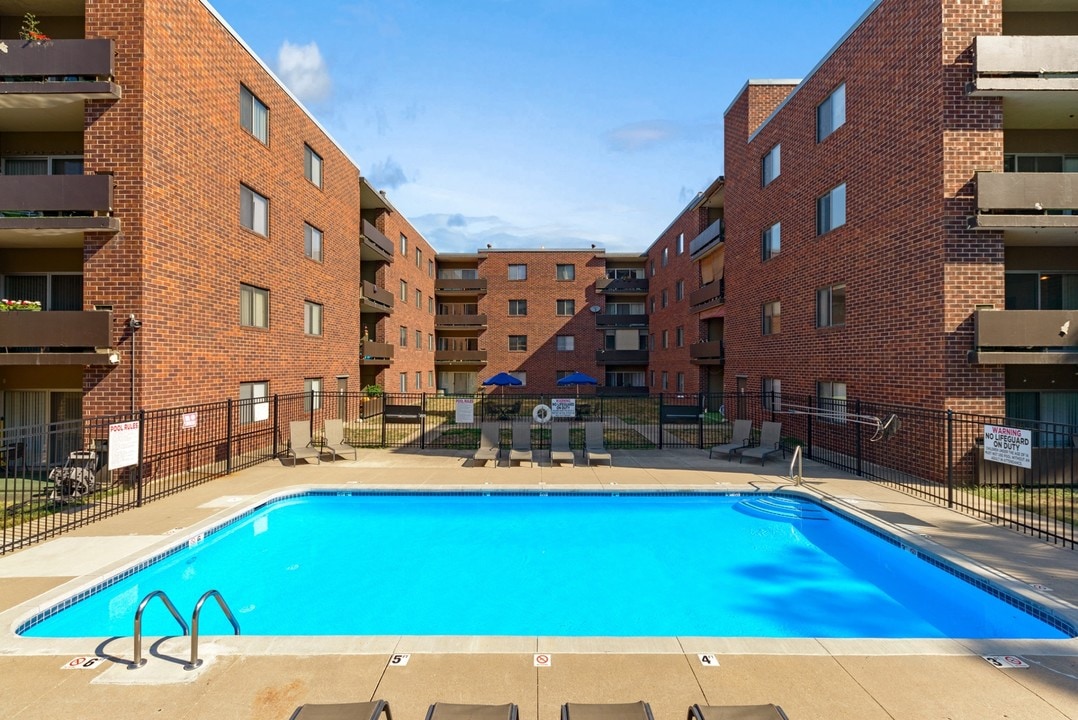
<point x="31" y="31"/>
<point x="20" y="306"/>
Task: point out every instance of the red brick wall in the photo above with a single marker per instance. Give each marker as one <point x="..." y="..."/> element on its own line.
<point x="912" y="275"/>
<point x="182" y="254"/>
<point x="410" y="359"/>
<point x="542" y="324"/>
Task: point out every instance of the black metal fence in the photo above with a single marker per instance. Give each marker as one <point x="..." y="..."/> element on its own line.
<point x="56" y="477"/>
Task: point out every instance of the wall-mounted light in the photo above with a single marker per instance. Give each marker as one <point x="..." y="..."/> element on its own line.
<point x="114" y="358"/>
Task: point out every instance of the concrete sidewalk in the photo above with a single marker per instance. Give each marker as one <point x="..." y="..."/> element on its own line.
<point x="250" y="677"/>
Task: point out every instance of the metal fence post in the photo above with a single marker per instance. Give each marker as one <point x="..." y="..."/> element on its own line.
<point x="385" y="401"/>
<point x="141" y="450"/>
<point x="660" y="421"/>
<point x="857" y="410"/>
<point x="808" y="432"/>
<point x="228" y="437"/>
<point x="950" y="458"/>
<point x="276" y="423"/>
<point x="700" y="421"/>
<point x="423" y="421"/>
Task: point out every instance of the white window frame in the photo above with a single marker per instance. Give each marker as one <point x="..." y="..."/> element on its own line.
<point x="831" y="113"/>
<point x="404" y="245"/>
<point x="558" y="307"/>
<point x="254" y="115"/>
<point x="254" y="302"/>
<point x="517" y="338"/>
<point x="771" y="318"/>
<point x="566" y="343"/>
<point x="403" y="336"/>
<point x="312" y="166"/>
<point x="831" y="210"/>
<point x="831" y="400"/>
<point x="565" y="272"/>
<point x="518" y="269"/>
<point x="312" y="242"/>
<point x="252" y="392"/>
<point x="771" y="242"/>
<point x="771" y="395"/>
<point x="312" y="318"/>
<point x="680" y="243"/>
<point x="312" y="385"/>
<point x="517" y="308"/>
<point x="826" y="306"/>
<point x="403" y="382"/>
<point x="771" y="165"/>
<point x="254" y="211"/>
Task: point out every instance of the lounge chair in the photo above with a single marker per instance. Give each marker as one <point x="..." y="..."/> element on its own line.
<point x="300" y="445"/>
<point x="334" y="436"/>
<point x="451" y="711"/>
<point x="560" y="450"/>
<point x="522" y="444"/>
<point x="736" y="712"/>
<point x="770" y="443"/>
<point x="739" y="438"/>
<point x="343" y="711"/>
<point x="489" y="444"/>
<point x="608" y="711"/>
<point x="594" y="447"/>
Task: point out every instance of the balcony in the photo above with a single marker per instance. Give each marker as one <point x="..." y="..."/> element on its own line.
<point x="714" y="234"/>
<point x="1013" y="65"/>
<point x="40" y="76"/>
<point x="606" y="320"/>
<point x="376" y="247"/>
<point x="458" y="286"/>
<point x="610" y="286"/>
<point x="460" y="357"/>
<point x="375" y="299"/>
<point x="710" y="352"/>
<point x="621" y="357"/>
<point x="1029" y="201"/>
<point x="710" y="295"/>
<point x="447" y="321"/>
<point x="55" y="205"/>
<point x="55" y="338"/>
<point x="374" y="353"/>
<point x="1025" y="337"/>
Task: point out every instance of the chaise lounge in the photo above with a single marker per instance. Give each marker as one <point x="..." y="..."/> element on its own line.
<point x="300" y="445"/>
<point x="739" y="439"/>
<point x="343" y="711"/>
<point x="770" y="443"/>
<point x="594" y="446"/>
<point x="522" y="444"/>
<point x="489" y="444"/>
<point x="607" y="711"/>
<point x="334" y="436"/>
<point x="736" y="712"/>
<point x="560" y="449"/>
<point x="452" y="711"/>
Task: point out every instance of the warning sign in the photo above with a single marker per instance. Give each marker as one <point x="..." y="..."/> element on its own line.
<point x="83" y="663"/>
<point x="123" y="444"/>
<point x="1006" y="662"/>
<point x="563" y="407"/>
<point x="542" y="660"/>
<point x="465" y="414"/>
<point x="1010" y="446"/>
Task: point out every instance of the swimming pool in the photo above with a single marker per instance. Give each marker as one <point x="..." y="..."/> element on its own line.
<point x="552" y="564"/>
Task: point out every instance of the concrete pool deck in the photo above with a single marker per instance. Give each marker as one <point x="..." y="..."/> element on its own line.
<point x="250" y="677"/>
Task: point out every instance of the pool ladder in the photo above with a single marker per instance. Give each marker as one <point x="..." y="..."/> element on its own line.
<point x="796" y="460"/>
<point x="195" y="662"/>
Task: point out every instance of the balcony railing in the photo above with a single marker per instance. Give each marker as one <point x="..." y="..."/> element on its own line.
<point x="56" y="338"/>
<point x="43" y="74"/>
<point x="1009" y="64"/>
<point x="376" y="246"/>
<point x="715" y="233"/>
<point x="376" y="299"/>
<point x="56" y="203"/>
<point x="711" y="352"/>
<point x="714" y="293"/>
<point x="471" y="286"/>
<point x="621" y="357"/>
<point x="375" y="353"/>
<point x="445" y="320"/>
<point x="460" y="357"/>
<point x="610" y="286"/>
<point x="616" y="321"/>
<point x="1027" y="200"/>
<point x="1026" y="337"/>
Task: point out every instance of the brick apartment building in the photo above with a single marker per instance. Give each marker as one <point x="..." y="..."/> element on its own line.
<point x="900" y="224"/>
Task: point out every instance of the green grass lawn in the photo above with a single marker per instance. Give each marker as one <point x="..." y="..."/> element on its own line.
<point x="1059" y="504"/>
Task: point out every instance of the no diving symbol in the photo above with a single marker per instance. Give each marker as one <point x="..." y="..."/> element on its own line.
<point x="542" y="660"/>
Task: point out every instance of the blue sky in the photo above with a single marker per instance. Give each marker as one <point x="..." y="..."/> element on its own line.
<point x="549" y="123"/>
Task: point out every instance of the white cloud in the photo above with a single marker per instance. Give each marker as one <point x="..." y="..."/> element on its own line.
<point x="641" y="136"/>
<point x="387" y="175"/>
<point x="304" y="71"/>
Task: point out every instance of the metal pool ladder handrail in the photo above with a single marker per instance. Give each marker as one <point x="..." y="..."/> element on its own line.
<point x="195" y="662"/>
<point x="139" y="661"/>
<point x="796" y="459"/>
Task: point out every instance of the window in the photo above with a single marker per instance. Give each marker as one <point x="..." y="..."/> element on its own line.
<point x="652" y="268"/>
<point x="430" y="304"/>
<point x="418" y="258"/>
<point x="831" y="114"/>
<point x="666" y="256"/>
<point x="1019" y="163"/>
<point x="651" y="344"/>
<point x="566" y="343"/>
<point x="771" y="242"/>
<point x="680" y="243"/>
<point x="831" y="306"/>
<point x="831" y="210"/>
<point x="418" y="339"/>
<point x="770" y="165"/>
<point x="566" y="307"/>
<point x="681" y="382"/>
<point x="679" y="336"/>
<point x="419" y="299"/>
<point x="666" y="339"/>
<point x="562" y="373"/>
<point x="772" y="394"/>
<point x="430" y="273"/>
<point x="831" y="397"/>
<point x="254" y="115"/>
<point x="404" y="245"/>
<point x="312" y="242"/>
<point x="771" y="317"/>
<point x="254" y="211"/>
<point x="1037" y="291"/>
<point x="666" y="380"/>
<point x="652" y="383"/>
<point x="254" y="306"/>
<point x="312" y="318"/>
<point x="518" y="307"/>
<point x="403" y="381"/>
<point x="518" y="272"/>
<point x="652" y="302"/>
<point x="566" y="272"/>
<point x="430" y="378"/>
<point x="665" y="297"/>
<point x="404" y="337"/>
<point x="521" y="376"/>
<point x="518" y="343"/>
<point x="404" y="290"/>
<point x="312" y="391"/>
<point x="430" y="346"/>
<point x="679" y="290"/>
<point x="418" y="379"/>
<point x="312" y="166"/>
<point x="253" y="405"/>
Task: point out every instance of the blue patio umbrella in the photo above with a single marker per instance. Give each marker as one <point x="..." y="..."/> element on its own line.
<point x="502" y="379"/>
<point x="578" y="379"/>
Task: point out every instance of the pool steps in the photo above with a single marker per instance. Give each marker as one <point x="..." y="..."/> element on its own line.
<point x="775" y="507"/>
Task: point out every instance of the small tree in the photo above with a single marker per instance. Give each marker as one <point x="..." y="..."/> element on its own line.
<point x="30" y="28"/>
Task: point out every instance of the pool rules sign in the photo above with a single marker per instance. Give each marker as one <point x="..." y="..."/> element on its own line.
<point x="1010" y="446"/>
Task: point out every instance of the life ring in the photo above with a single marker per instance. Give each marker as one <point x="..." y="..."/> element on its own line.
<point x="541" y="414"/>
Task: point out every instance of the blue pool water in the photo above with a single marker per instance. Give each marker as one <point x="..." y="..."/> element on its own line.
<point x="550" y="564"/>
